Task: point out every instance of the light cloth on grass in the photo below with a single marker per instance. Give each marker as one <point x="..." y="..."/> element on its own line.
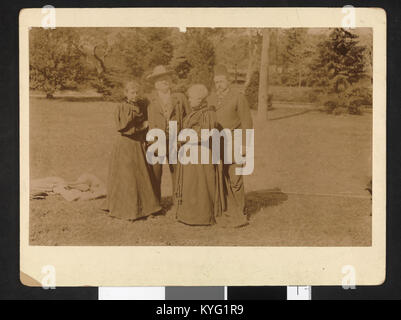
<point x="86" y="187"/>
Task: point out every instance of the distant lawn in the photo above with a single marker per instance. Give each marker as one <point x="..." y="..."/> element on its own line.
<point x="301" y="95"/>
<point x="293" y="94"/>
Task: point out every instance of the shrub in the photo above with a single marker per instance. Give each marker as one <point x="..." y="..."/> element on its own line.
<point x="281" y="93"/>
<point x="349" y="100"/>
<point x="55" y="61"/>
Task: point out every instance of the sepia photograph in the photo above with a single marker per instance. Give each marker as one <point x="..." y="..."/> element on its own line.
<point x="96" y="92"/>
<point x="200" y="136"/>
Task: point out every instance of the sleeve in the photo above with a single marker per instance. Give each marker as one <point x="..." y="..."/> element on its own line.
<point x="123" y="117"/>
<point x="210" y="120"/>
<point x="245" y="116"/>
<point x="185" y="104"/>
<point x="141" y="115"/>
<point x="207" y="120"/>
<point x="244" y="112"/>
<point x="151" y="114"/>
<point x="129" y="119"/>
<point x="212" y="100"/>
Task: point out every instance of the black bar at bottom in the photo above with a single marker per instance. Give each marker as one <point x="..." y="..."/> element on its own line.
<point x="257" y="293"/>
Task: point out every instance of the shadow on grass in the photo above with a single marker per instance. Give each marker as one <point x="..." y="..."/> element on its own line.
<point x="291" y="115"/>
<point x="254" y="200"/>
<point x="257" y="200"/>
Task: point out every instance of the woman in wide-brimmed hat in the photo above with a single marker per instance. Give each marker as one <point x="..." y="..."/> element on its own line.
<point x="165" y="106"/>
<point x="158" y="72"/>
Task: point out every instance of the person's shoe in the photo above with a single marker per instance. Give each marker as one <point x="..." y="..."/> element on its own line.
<point x="222" y="222"/>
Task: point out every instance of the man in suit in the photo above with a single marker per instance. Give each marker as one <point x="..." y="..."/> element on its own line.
<point x="165" y="106"/>
<point x="232" y="112"/>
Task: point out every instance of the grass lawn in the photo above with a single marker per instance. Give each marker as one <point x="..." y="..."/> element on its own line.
<point x="307" y="189"/>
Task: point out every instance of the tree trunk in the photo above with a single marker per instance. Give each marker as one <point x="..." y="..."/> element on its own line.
<point x="50" y="88"/>
<point x="101" y="68"/>
<point x="264" y="77"/>
<point x="248" y="75"/>
<point x="252" y="50"/>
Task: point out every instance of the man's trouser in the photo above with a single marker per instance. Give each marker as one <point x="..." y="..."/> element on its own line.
<point x="235" y="192"/>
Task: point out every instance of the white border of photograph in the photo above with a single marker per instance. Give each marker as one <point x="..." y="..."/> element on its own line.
<point x="217" y="266"/>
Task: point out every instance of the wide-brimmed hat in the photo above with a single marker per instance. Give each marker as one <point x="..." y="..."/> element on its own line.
<point x="159" y="71"/>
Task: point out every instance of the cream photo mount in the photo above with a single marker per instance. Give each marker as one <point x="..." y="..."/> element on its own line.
<point x="206" y="266"/>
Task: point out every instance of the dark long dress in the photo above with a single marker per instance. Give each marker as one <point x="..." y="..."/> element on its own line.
<point x="130" y="194"/>
<point x="198" y="192"/>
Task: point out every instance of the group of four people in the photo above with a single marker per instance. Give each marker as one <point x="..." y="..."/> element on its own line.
<point x="203" y="194"/>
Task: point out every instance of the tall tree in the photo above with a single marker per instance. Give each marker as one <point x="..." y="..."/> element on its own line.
<point x="254" y="47"/>
<point x="340" y="61"/>
<point x="119" y="54"/>
<point x="297" y="53"/>
<point x="338" y="69"/>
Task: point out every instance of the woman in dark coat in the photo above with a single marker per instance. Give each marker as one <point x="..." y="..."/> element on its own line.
<point x="198" y="185"/>
<point x="130" y="194"/>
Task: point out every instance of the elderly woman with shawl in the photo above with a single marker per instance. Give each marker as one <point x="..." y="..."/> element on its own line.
<point x="197" y="186"/>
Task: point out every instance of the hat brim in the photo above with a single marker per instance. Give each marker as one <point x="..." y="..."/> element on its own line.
<point x="152" y="76"/>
